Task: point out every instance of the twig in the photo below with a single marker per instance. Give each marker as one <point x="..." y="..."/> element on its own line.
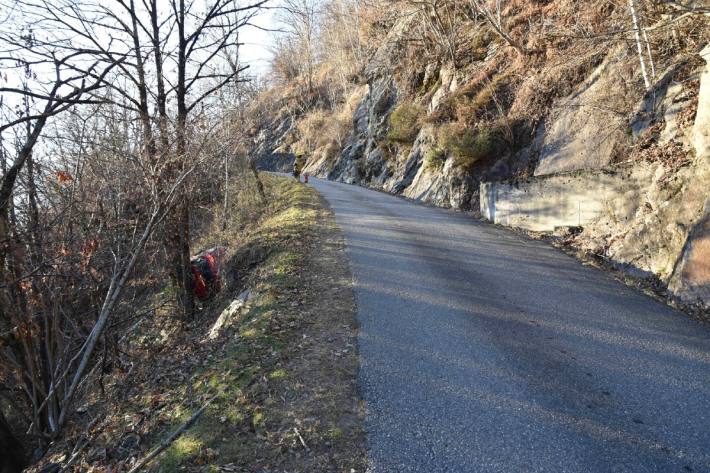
<point x="80" y="446"/>
<point x="169" y="440"/>
<point x="303" y="442"/>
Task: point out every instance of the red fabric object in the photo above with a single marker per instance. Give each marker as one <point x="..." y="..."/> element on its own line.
<point x="207" y="280"/>
<point x="213" y="263"/>
<point x="200" y="286"/>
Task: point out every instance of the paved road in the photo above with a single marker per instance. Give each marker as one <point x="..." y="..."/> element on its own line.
<point x="484" y="351"/>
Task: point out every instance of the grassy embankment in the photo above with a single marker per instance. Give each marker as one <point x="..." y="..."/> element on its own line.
<point x="281" y="373"/>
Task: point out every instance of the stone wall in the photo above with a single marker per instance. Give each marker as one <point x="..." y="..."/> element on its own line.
<point x="642" y="220"/>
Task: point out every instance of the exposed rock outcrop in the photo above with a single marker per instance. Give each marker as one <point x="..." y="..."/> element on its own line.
<point x="691" y="279"/>
<point x="584" y="128"/>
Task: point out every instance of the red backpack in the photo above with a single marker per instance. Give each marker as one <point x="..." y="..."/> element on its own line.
<point x="206" y="268"/>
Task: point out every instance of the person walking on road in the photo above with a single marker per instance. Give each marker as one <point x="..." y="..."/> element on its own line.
<point x="298" y="167"/>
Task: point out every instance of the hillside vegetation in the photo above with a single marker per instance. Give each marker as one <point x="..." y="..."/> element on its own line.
<point x="264" y="378"/>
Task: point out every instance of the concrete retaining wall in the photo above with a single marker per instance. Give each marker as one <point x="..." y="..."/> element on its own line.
<point x="649" y="219"/>
<point x="566" y="200"/>
<point x="643" y="223"/>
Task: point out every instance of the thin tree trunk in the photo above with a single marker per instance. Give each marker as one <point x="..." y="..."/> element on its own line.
<point x="162" y="95"/>
<point x="118" y="282"/>
<point x="637" y="34"/>
<point x="225" y="209"/>
<point x="182" y="230"/>
<point x="497" y="26"/>
<point x="8" y="184"/>
<point x="144" y="110"/>
<point x="650" y="54"/>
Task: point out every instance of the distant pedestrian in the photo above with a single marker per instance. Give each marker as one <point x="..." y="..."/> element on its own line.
<point x="298" y="166"/>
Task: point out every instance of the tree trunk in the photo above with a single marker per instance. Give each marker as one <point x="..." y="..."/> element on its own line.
<point x="160" y="79"/>
<point x="187" y="289"/>
<point x="650" y="55"/>
<point x="637" y="34"/>
<point x="480" y="7"/>
<point x="225" y="209"/>
<point x="7" y="185"/>
<point x="182" y="228"/>
<point x="144" y="109"/>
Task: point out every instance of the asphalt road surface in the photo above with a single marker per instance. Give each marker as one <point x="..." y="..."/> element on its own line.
<point x="485" y="351"/>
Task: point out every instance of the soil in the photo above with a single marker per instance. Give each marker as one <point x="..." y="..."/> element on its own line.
<point x="317" y="411"/>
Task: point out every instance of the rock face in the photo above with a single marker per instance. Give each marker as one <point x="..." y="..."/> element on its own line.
<point x="654" y="239"/>
<point x="365" y="161"/>
<point x="276" y="162"/>
<point x="701" y="128"/>
<point x="268" y="145"/>
<point x="649" y="218"/>
<point x="583" y="128"/>
<point x="646" y="218"/>
<point x="691" y="279"/>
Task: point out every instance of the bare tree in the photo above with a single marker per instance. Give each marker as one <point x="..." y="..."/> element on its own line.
<point x="175" y="55"/>
<point x="196" y="49"/>
<point x="637" y="34"/>
<point x="80" y="84"/>
<point x="442" y="19"/>
<point x="300" y="20"/>
<point x="135" y="80"/>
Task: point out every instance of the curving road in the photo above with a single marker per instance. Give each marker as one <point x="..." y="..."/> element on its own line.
<point x="485" y="351"/>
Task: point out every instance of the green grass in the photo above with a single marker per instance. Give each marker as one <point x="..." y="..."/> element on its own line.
<point x="405" y="123"/>
<point x="184" y="448"/>
<point x="435" y="158"/>
<point x="278" y="374"/>
<point x="245" y="356"/>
